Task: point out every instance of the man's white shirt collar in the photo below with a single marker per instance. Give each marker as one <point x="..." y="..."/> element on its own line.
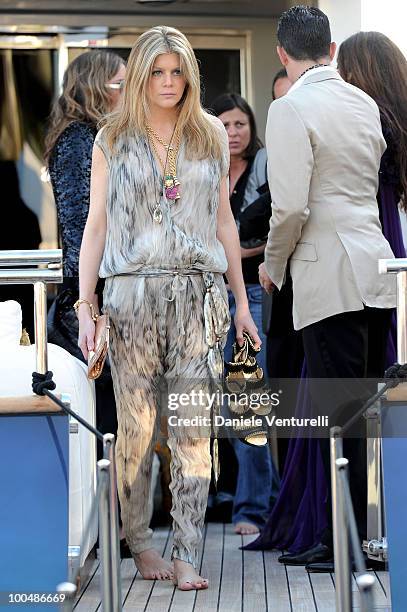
<point x="302" y="78"/>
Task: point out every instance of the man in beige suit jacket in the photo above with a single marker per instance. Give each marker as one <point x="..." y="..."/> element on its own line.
<point x="324" y="144"/>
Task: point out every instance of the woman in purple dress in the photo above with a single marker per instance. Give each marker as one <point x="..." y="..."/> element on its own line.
<point x="373" y="63"/>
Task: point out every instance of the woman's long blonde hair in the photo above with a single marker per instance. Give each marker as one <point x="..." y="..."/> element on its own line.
<point x="84" y="96"/>
<point x="199" y="130"/>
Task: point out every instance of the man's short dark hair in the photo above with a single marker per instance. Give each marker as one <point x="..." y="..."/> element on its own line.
<point x="281" y="74"/>
<point x="304" y="33"/>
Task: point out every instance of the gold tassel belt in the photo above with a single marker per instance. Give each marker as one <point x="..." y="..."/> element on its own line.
<point x="216" y="310"/>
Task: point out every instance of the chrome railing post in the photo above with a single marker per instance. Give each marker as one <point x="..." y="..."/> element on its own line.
<point x="40" y="323"/>
<point x="68" y="590"/>
<point x="343" y="588"/>
<point x="365" y="583"/>
<point x="106" y="585"/>
<point x="109" y="454"/>
<point x="375" y="544"/>
<point x="399" y="266"/>
<point x="402" y="317"/>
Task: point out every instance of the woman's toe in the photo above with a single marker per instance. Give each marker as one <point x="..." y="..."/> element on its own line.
<point x="203" y="584"/>
<point x="187" y="585"/>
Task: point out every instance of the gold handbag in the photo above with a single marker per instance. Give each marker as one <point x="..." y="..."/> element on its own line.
<point x="245" y="377"/>
<point x="97" y="358"/>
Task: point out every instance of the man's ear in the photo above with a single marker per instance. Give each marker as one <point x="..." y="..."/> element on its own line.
<point x="282" y="55"/>
<point x="332" y="50"/>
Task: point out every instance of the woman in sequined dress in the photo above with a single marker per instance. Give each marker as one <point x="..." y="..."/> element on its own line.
<point x="373" y="63"/>
<point x="91" y="88"/>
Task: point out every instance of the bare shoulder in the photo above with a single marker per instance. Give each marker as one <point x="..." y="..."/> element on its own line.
<point x="101" y="151"/>
<point x="215" y="121"/>
<point x="100" y="134"/>
<point x="99" y="161"/>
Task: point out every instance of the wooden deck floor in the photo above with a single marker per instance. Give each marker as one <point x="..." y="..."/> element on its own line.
<point x="239" y="581"/>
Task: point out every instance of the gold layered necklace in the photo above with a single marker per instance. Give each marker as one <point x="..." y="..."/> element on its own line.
<point x="169" y="167"/>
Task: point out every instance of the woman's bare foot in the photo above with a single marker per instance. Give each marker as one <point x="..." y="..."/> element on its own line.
<point x="243" y="528"/>
<point x="152" y="566"/>
<point x="186" y="578"/>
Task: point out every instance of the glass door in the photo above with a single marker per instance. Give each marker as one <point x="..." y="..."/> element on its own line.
<point x="28" y="83"/>
<point x="227" y="51"/>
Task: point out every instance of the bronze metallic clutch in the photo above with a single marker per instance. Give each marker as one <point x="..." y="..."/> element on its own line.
<point x="97" y="358"/>
<point x="245" y="378"/>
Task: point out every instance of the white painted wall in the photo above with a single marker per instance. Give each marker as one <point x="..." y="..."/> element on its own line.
<point x="387" y="17"/>
<point x="350" y="16"/>
<point x="345" y="17"/>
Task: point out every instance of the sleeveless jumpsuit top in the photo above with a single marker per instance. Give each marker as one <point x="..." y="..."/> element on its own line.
<point x="186" y="237"/>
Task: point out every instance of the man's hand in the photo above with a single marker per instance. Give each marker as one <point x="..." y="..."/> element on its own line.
<point x="265" y="280"/>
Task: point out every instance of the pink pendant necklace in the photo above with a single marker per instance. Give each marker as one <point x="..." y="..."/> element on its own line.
<point x="171" y="182"/>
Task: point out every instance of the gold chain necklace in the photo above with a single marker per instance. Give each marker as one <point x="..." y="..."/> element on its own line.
<point x="171" y="182"/>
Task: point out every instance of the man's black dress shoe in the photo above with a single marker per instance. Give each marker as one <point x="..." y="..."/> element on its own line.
<point x="328" y="566"/>
<point x="316" y="554"/>
<point x="321" y="567"/>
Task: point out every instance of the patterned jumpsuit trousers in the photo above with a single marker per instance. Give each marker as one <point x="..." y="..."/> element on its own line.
<point x="158" y="333"/>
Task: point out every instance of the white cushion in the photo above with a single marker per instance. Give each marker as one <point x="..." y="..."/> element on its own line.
<point x="10" y="323"/>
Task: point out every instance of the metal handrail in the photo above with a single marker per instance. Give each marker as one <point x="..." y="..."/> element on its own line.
<point x="345" y="533"/>
<point x="109" y="454"/>
<point x="29" y="276"/>
<point x="399" y="266"/>
<point x="31" y="257"/>
<point x="39" y="278"/>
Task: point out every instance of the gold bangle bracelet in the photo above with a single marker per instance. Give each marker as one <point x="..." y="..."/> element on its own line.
<point x="91" y="306"/>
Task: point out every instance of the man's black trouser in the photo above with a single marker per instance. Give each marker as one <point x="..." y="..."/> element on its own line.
<point x="349" y="345"/>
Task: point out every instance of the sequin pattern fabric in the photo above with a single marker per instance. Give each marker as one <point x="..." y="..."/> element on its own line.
<point x="389" y="168"/>
<point x="69" y="169"/>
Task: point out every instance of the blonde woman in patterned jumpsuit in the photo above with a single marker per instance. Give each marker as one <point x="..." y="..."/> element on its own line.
<point x="161" y="232"/>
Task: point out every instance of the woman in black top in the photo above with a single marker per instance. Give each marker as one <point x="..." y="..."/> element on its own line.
<point x="91" y="88"/>
<point x="247" y="180"/>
